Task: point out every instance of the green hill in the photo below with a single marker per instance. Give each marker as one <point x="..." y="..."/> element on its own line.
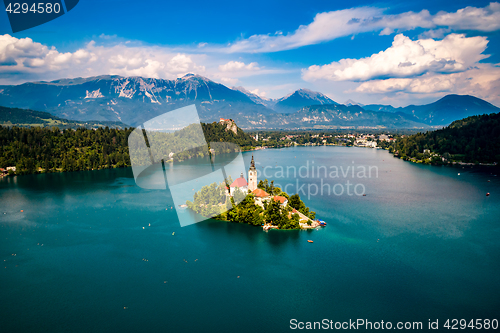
<point x="474" y="139"/>
<point x="28" y="118"/>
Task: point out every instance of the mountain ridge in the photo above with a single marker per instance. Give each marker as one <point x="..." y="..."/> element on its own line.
<point x="301" y="98"/>
<point x="133" y="100"/>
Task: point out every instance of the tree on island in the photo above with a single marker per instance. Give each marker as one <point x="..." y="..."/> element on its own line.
<point x="269" y="188"/>
<point x="246" y="212"/>
<point x="277" y="215"/>
<point x="210" y="201"/>
<point x="299" y="205"/>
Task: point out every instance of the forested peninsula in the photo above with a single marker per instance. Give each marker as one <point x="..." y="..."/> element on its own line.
<point x="43" y="149"/>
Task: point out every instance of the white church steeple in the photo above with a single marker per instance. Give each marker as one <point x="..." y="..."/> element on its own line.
<point x="252" y="176"/>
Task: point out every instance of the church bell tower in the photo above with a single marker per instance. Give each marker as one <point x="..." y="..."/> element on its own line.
<point x="252" y="176"/>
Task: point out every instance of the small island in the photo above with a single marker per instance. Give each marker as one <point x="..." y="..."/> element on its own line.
<point x="259" y="204"/>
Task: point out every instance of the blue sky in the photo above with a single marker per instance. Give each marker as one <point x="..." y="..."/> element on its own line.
<point x="371" y="52"/>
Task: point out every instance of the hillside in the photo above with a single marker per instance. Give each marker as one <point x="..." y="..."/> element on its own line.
<point x="22" y="117"/>
<point x="473" y="139"/>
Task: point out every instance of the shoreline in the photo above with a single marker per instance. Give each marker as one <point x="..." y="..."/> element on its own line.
<point x="454" y="163"/>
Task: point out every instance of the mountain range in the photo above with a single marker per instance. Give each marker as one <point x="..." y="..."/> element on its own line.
<point x="134" y="100"/>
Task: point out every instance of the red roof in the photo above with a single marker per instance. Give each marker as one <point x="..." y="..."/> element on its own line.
<point x="260" y="193"/>
<point x="239" y="182"/>
<point x="280" y="199"/>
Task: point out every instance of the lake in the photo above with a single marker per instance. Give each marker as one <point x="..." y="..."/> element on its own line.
<point x="93" y="252"/>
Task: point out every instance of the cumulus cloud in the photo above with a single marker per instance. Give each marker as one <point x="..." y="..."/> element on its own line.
<point x="406" y="58"/>
<point x="483" y="81"/>
<point x="480" y="80"/>
<point x="18" y="55"/>
<point x="25" y="58"/>
<point x="259" y="93"/>
<point x="331" y="25"/>
<point x="236" y="66"/>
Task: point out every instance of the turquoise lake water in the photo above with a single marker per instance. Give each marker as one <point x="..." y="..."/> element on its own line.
<point x="424" y="243"/>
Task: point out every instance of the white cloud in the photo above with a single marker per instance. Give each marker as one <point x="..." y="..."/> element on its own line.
<point x="325" y="26"/>
<point x="24" y="54"/>
<point x="229" y="81"/>
<point x="26" y="59"/>
<point x="259" y="93"/>
<point x="331" y="25"/>
<point x="483" y="81"/>
<point x="471" y="18"/>
<point x="236" y="66"/>
<point x="232" y="71"/>
<point x="406" y="58"/>
<point x="435" y="33"/>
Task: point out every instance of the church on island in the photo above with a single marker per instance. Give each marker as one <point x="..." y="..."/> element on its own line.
<point x="269" y="210"/>
<point x="261" y="196"/>
<point x="251" y="187"/>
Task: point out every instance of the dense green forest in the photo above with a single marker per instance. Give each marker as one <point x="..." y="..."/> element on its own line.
<point x="40" y="149"/>
<point x="212" y="202"/>
<point x="474" y="139"/>
<point x="34" y="149"/>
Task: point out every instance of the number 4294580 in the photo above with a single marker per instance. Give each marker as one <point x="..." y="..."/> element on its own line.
<point x="36" y="8"/>
<point x="455" y="324"/>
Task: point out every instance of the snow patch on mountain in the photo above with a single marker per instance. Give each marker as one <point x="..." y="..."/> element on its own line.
<point x="121" y="87"/>
<point x="152" y="98"/>
<point x="94" y="94"/>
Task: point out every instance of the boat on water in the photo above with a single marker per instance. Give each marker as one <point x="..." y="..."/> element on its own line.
<point x="321" y="223"/>
<point x="310" y="241"/>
